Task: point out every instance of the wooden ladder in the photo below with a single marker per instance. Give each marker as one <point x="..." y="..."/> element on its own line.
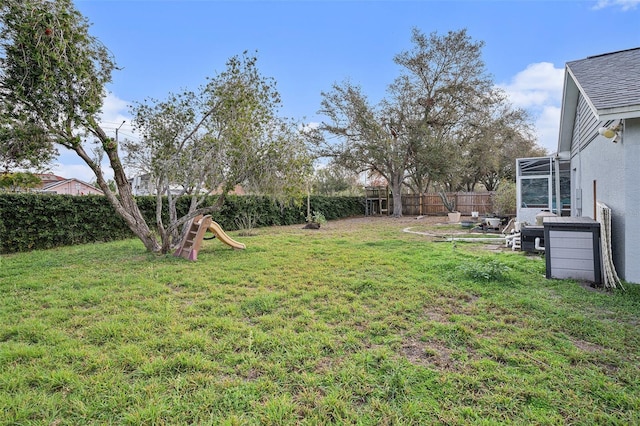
<point x="192" y="240"/>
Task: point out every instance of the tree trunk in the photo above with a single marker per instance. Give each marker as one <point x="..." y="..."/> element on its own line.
<point x="396" y="189"/>
<point x="128" y="206"/>
<point x="124" y="204"/>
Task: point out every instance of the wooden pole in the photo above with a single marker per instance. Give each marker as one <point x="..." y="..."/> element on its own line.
<point x="595" y="192"/>
<point x="308" y="202"/>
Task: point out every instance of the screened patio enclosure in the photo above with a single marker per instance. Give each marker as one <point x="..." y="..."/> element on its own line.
<point x="543" y="184"/>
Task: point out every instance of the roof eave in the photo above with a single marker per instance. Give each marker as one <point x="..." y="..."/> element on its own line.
<point x="619" y="113"/>
<point x="568" y="111"/>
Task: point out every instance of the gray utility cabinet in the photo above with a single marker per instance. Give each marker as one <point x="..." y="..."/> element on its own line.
<point x="572" y="248"/>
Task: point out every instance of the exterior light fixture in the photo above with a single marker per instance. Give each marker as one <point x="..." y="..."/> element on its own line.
<point x="612" y="132"/>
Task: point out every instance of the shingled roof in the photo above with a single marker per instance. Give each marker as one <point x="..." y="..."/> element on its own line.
<point x="610" y="82"/>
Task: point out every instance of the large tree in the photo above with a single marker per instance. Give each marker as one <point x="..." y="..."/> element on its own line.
<point x="225" y="134"/>
<point x="334" y="179"/>
<point x="53" y="77"/>
<point x="496" y="135"/>
<point x="468" y="133"/>
<point x="410" y="137"/>
<point x="370" y="138"/>
<point x="449" y="81"/>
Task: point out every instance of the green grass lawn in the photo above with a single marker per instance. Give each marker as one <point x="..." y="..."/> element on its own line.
<point x="362" y="324"/>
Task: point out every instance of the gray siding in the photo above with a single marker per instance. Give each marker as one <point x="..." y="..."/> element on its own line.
<point x="615" y="170"/>
<point x="585" y="127"/>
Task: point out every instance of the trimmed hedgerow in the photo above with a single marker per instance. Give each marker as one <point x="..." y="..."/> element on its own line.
<point x="31" y="221"/>
<point x="42" y="221"/>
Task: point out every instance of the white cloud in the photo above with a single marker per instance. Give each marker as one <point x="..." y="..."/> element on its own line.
<point x="625" y="5"/>
<point x="79" y="171"/>
<point x="538" y="89"/>
<point x="113" y="107"/>
<point x="538" y="84"/>
<point x="309" y="127"/>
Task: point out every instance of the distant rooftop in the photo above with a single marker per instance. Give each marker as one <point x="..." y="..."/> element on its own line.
<point x="50" y="177"/>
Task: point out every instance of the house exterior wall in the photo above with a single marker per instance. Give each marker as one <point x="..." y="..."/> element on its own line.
<point x="608" y="172"/>
<point x="602" y="91"/>
<point x="631" y="143"/>
<point x="142" y="185"/>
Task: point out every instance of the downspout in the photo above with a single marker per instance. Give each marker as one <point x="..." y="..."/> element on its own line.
<point x="578" y="187"/>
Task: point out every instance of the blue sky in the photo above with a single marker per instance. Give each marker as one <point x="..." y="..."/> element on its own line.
<point x="165" y="46"/>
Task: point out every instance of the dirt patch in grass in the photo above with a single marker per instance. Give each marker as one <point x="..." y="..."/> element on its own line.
<point x="428" y="354"/>
<point x="437" y="355"/>
<point x="444" y="307"/>
<point x="587" y="346"/>
<point x="589" y="287"/>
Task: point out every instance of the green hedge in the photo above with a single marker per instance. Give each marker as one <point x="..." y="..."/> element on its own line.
<point x="42" y="221"/>
<point x="30" y="221"/>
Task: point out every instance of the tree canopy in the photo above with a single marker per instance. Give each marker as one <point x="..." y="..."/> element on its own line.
<point x="441" y="120"/>
<point x="18" y="181"/>
<point x="225" y="134"/>
<point x="53" y="78"/>
<point x="23" y="146"/>
<point x="333" y="179"/>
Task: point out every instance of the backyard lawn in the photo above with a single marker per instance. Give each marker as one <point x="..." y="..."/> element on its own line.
<point x="355" y="323"/>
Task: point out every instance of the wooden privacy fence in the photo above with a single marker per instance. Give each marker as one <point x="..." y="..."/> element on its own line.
<point x="431" y="204"/>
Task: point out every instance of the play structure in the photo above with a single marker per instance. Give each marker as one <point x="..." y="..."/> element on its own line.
<point x="198" y="227"/>
<point x="376" y="200"/>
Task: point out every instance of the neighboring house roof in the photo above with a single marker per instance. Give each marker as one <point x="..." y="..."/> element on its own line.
<point x="47" y="178"/>
<point x="52" y="186"/>
<point x="610" y="83"/>
<point x="237" y="190"/>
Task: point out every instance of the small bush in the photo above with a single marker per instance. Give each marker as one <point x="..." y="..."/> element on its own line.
<point x="317" y="217"/>
<point x="246" y="222"/>
<point x="492" y="270"/>
<point x="504" y="200"/>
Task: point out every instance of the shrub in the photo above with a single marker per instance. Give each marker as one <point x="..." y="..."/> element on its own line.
<point x="492" y="270"/>
<point x="245" y="221"/>
<point x="41" y="221"/>
<point x="317" y="217"/>
<point x="504" y="200"/>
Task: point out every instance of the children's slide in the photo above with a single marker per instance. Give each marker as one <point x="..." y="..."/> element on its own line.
<point x="192" y="240"/>
<point x="223" y="237"/>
